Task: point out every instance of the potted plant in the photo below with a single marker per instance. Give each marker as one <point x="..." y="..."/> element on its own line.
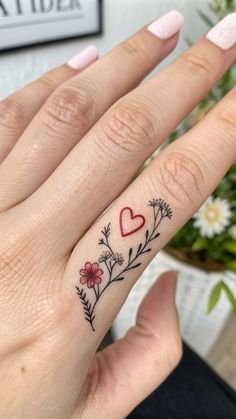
<point x="204" y="250"/>
<point x="208" y="240"/>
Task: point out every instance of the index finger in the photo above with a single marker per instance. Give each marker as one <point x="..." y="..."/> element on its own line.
<point x="151" y="210"/>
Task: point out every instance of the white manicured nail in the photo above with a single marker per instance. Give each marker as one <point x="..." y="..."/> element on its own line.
<point x="84" y="58"/>
<point x="167" y="25"/>
<point x="224" y="33"/>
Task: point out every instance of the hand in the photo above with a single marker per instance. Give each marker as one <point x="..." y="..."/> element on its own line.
<point x="70" y="143"/>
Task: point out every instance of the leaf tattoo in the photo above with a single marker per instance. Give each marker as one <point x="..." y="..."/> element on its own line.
<point x="87" y="307"/>
<point x="114" y="264"/>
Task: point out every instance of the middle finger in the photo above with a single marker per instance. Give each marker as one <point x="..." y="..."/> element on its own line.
<point x="74" y="107"/>
<point x="100" y="167"/>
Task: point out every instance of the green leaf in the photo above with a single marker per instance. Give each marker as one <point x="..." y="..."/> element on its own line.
<point x="214" y="296"/>
<point x="230" y="246"/>
<point x="231" y="265"/>
<point x="173" y="136"/>
<point x="230" y="295"/>
<point x="200" y="244"/>
<point x="188" y="239"/>
<point x="206" y="19"/>
<point x="230" y="5"/>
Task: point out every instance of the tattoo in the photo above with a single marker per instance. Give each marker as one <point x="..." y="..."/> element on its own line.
<point x="114" y="264"/>
<point x="130" y="223"/>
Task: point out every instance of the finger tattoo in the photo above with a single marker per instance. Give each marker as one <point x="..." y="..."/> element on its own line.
<point x="112" y="266"/>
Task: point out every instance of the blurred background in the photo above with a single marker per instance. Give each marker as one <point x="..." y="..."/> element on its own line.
<point x="120" y="19"/>
<point x="206" y="260"/>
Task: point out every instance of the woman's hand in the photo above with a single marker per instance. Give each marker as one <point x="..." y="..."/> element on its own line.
<point x="70" y="144"/>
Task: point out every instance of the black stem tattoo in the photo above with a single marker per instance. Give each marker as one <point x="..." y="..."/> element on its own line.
<point x="87" y="307"/>
<point x="91" y="273"/>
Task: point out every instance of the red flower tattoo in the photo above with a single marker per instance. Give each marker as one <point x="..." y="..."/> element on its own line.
<point x="91" y="274"/>
<point x="115" y="264"/>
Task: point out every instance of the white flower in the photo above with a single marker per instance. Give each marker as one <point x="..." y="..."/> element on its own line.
<point x="213" y="217"/>
<point x="232" y="232"/>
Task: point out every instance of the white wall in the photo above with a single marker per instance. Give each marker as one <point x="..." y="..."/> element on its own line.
<point x="121" y="18"/>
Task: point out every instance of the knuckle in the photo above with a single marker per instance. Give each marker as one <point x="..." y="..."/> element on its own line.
<point x="226" y="115"/>
<point x="68" y="108"/>
<point x="48" y="80"/>
<point x="12" y="114"/>
<point x="12" y="260"/>
<point x="128" y="129"/>
<point x="18" y="252"/>
<point x="180" y="177"/>
<point x="197" y="63"/>
<point x="135" y="47"/>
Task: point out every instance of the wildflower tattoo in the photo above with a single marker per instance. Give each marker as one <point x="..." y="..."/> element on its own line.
<point x="113" y="264"/>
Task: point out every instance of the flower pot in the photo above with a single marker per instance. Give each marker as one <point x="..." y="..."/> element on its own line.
<point x="199" y="329"/>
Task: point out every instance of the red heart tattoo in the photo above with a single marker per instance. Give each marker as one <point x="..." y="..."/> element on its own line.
<point x="130" y="223"/>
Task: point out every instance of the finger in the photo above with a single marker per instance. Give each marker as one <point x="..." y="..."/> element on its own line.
<point x="130" y="369"/>
<point x="100" y="167"/>
<point x="17" y="110"/>
<point x="73" y="108"/>
<point x="116" y="249"/>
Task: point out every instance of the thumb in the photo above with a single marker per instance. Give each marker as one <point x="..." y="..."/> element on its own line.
<point x="131" y="368"/>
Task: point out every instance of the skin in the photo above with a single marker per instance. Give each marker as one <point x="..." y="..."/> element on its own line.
<point x="70" y="144"/>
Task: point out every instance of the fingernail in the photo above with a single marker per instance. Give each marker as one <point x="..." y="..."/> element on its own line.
<point x="224" y="33"/>
<point x="168" y="25"/>
<point x="84" y="58"/>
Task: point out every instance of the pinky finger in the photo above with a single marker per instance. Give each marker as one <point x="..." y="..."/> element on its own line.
<point x="18" y="109"/>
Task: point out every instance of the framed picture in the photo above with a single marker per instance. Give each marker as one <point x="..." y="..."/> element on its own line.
<point x="27" y="22"/>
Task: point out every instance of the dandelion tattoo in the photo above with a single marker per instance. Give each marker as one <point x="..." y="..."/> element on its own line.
<point x="111" y="265"/>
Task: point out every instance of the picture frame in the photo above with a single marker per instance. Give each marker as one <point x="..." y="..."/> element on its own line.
<point x="24" y="23"/>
